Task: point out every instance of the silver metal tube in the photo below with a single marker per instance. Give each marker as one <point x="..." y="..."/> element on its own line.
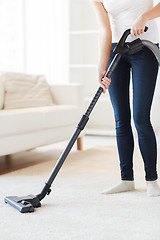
<point x="153" y="48"/>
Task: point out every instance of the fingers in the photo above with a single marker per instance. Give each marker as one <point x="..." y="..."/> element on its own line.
<point x="105" y="82"/>
<point x="136" y="31"/>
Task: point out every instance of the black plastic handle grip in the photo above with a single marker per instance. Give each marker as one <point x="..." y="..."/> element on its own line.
<point x="125" y="35"/>
<point x="121" y="42"/>
<point x="145" y="30"/>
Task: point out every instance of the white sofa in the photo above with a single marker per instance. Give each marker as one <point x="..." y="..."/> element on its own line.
<point x="28" y="128"/>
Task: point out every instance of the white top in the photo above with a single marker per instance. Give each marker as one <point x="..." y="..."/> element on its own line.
<point x="122" y="15"/>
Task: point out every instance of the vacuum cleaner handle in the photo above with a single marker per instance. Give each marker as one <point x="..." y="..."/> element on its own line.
<point x="118" y="49"/>
<point x="121" y="46"/>
<point x="125" y="35"/>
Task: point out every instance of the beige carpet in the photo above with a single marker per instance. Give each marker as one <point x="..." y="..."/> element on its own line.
<point x="76" y="209"/>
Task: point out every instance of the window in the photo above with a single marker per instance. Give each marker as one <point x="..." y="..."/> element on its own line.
<point x="34" y="37"/>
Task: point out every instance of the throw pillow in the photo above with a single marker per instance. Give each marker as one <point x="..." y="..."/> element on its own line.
<point x="25" y="91"/>
<point x="1" y="94"/>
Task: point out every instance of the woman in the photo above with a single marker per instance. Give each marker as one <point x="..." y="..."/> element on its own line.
<point x="114" y="17"/>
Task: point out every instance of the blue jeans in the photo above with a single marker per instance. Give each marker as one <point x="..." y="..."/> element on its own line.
<point x="144" y="67"/>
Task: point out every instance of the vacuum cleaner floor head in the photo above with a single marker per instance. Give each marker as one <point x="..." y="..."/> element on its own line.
<point x="23" y="204"/>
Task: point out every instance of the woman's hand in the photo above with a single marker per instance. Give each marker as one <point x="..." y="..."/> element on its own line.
<point x="104" y="81"/>
<point x="138" y="26"/>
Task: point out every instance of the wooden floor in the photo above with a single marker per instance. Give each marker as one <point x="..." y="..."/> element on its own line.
<point x="29" y="158"/>
<point x="21" y="160"/>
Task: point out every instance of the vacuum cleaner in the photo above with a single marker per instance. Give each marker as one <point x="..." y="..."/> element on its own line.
<point x="27" y="204"/>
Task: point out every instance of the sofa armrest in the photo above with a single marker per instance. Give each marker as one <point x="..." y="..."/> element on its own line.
<point x="70" y="94"/>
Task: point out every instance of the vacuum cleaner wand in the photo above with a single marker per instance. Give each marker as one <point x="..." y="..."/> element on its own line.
<point x="28" y="203"/>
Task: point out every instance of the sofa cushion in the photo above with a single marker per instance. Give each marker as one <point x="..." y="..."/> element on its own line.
<point x="20" y="121"/>
<point x="25" y="90"/>
<point x="1" y="94"/>
<point x="61" y="115"/>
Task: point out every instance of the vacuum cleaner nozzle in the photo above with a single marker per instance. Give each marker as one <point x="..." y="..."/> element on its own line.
<point x="23" y="204"/>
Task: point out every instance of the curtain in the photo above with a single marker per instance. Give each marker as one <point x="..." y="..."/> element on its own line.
<point x="47" y="38"/>
<point x="35" y="37"/>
